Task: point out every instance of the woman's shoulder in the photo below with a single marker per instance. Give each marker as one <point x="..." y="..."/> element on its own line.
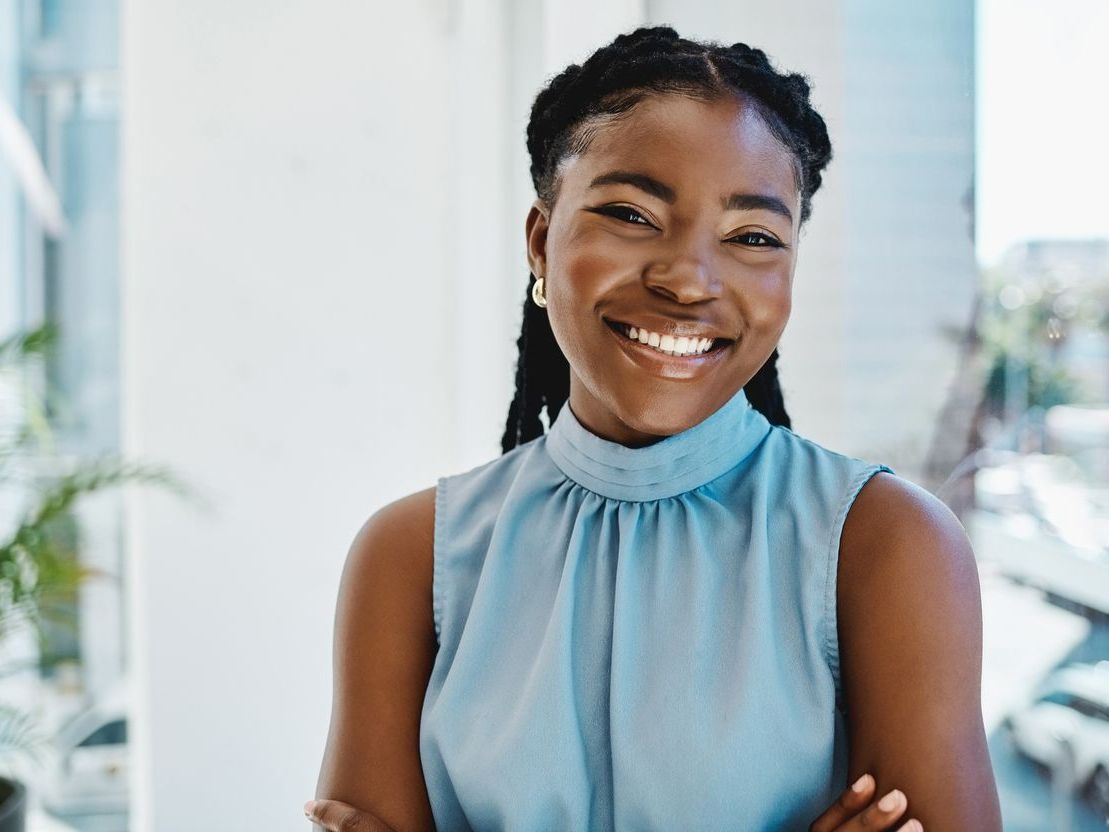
<point x="808" y="471"/>
<point x="891" y="512"/>
<point x="904" y="556"/>
<point x="384" y="653"/>
<point x="910" y="625"/>
<point x="408" y="522"/>
<point x="785" y="440"/>
<point x="395" y="544"/>
<point x="474" y="491"/>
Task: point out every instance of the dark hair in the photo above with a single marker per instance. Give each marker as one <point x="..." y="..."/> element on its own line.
<point x="566" y="115"/>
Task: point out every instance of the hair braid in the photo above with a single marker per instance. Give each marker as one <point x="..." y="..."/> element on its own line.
<point x="565" y="116"/>
<point x="542" y="377"/>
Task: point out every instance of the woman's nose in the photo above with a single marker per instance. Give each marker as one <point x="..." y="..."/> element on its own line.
<point x="685" y="278"/>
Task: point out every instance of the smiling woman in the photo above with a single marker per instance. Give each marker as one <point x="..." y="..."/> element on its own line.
<point x="669" y="610"/>
<point x="696" y="260"/>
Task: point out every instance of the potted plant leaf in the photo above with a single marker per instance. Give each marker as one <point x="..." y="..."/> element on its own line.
<point x="40" y="564"/>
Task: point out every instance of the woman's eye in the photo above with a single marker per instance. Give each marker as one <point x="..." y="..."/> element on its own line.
<point x="621" y="211"/>
<point x="770" y="241"/>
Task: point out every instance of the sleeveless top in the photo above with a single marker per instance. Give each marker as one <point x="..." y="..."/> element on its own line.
<point x="640" y="638"/>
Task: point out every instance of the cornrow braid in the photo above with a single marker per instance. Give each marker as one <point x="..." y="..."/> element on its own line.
<point x="565" y="116"/>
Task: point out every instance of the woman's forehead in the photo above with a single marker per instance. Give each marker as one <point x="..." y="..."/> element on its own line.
<point x="688" y="142"/>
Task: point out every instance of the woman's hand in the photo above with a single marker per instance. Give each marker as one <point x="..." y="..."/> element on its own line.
<point x="853" y="811"/>
<point x="335" y="816"/>
<point x="856" y="811"/>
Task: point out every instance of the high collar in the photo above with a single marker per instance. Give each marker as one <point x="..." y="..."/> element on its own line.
<point x="673" y="465"/>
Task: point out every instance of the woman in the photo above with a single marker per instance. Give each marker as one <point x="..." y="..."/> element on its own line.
<point x="669" y="611"/>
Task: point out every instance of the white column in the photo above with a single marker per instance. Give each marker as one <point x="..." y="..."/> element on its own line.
<point x="478" y="271"/>
<point x="287" y="263"/>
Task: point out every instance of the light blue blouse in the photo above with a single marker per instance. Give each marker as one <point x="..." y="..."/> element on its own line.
<point x="640" y="638"/>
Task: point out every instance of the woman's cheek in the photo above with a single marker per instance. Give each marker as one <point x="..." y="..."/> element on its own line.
<point x="592" y="273"/>
<point x="770" y="306"/>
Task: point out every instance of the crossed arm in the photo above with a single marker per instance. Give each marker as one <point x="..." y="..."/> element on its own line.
<point x="910" y="634"/>
<point x="910" y="631"/>
<point x="384" y="649"/>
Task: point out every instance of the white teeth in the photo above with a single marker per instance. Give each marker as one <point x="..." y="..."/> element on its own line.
<point x="668" y="343"/>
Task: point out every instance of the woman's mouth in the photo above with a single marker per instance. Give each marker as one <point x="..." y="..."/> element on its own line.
<point x="670" y="358"/>
<point x="668" y="345"/>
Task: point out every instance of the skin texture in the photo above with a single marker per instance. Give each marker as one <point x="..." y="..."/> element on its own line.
<point x="910" y="627"/>
<point x="384" y="648"/>
<point x="909" y="608"/>
<point x="689" y="262"/>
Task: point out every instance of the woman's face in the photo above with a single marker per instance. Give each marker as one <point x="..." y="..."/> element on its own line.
<point x="644" y="231"/>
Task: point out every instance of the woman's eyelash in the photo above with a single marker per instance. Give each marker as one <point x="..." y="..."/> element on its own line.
<point x="615" y="210"/>
<point x="771" y="242"/>
<point x="618" y="210"/>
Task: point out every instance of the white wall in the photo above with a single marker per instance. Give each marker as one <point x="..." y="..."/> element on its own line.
<point x="289" y="305"/>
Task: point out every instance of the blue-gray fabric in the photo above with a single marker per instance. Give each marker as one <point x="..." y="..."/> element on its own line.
<point x="640" y="638"/>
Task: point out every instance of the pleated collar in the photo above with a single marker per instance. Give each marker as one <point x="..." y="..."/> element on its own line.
<point x="673" y="465"/>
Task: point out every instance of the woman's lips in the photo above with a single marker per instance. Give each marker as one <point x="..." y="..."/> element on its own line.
<point x="666" y="365"/>
<point x="621" y="328"/>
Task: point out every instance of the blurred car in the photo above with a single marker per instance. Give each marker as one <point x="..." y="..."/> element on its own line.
<point x="1072" y="703"/>
<point x="87" y="770"/>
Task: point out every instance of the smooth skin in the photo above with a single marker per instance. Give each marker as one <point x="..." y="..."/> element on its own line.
<point x="908" y="595"/>
<point x="690" y="260"/>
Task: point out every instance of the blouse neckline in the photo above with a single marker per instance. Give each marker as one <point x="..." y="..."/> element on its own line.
<point x="671" y="466"/>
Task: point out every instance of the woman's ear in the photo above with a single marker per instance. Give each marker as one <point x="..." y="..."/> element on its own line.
<point x="535" y="230"/>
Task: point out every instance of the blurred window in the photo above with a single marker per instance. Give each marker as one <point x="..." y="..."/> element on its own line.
<point x="59" y="75"/>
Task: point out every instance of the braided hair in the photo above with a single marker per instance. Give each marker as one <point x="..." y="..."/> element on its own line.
<point x="565" y="116"/>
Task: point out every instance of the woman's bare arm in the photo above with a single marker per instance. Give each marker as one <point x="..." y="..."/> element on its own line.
<point x="384" y="648"/>
<point x="910" y="630"/>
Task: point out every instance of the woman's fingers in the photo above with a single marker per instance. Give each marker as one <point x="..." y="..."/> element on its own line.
<point x="336" y="816"/>
<point x="850" y="802"/>
<point x="882" y="814"/>
<point x="855" y="810"/>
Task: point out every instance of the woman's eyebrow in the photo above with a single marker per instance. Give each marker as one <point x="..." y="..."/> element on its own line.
<point x="734" y="202"/>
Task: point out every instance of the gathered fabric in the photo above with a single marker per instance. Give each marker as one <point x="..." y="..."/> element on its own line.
<point x="640" y="638"/>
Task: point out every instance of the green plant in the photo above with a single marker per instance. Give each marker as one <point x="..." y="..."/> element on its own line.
<point x="1022" y="329"/>
<point x="40" y="567"/>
